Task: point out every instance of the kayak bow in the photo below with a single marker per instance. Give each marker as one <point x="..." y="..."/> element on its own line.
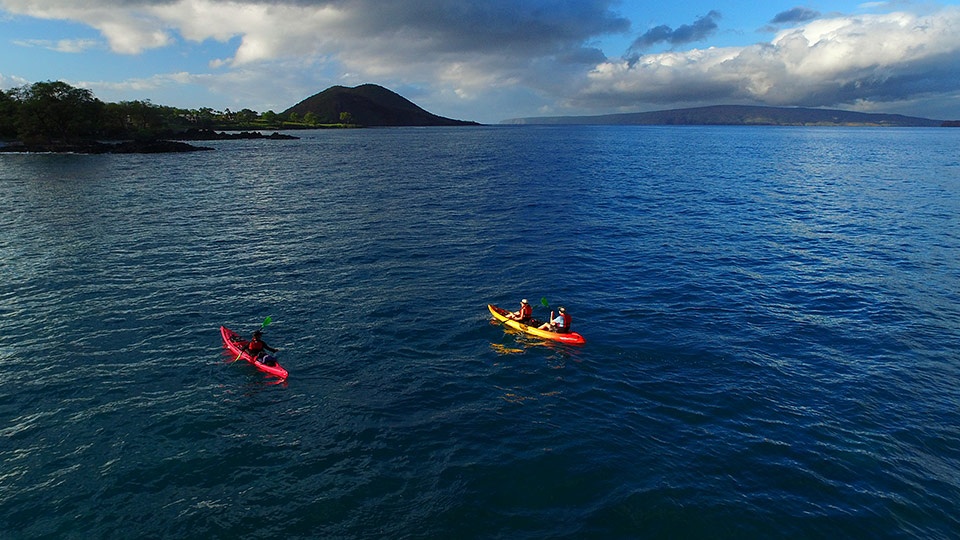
<point x="235" y="344"/>
<point x="500" y="314"/>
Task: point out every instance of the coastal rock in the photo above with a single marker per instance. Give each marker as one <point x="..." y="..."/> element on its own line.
<point x="211" y="135"/>
<point x="94" y="147"/>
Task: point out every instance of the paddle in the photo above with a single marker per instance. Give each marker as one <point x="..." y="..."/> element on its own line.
<point x="262" y="326"/>
<point x="544" y="302"/>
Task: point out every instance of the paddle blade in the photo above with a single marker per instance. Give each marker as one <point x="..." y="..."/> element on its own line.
<point x="266" y="321"/>
<point x="544" y="302"/>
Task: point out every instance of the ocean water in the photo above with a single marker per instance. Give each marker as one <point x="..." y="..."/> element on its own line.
<point x="772" y="319"/>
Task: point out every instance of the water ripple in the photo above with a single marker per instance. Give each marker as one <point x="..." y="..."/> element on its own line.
<point x="771" y="320"/>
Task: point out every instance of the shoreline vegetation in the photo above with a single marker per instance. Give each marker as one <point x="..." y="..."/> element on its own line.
<point x="54" y="117"/>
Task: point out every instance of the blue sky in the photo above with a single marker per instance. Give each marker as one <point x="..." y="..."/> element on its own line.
<point x="494" y="60"/>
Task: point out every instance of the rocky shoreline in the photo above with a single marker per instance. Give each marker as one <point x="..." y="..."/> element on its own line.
<point x="95" y="147"/>
<point x="211" y="135"/>
<point x="172" y="144"/>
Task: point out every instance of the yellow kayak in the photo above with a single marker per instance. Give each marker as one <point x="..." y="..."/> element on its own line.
<point x="500" y="314"/>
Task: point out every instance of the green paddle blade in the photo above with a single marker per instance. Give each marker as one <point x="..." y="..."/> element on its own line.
<point x="267" y="321"/>
<point x="544" y="302"/>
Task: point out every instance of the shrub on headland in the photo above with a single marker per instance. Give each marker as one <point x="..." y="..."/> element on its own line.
<point x="54" y="116"/>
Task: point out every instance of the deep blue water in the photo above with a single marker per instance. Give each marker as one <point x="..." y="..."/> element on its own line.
<point x="772" y="320"/>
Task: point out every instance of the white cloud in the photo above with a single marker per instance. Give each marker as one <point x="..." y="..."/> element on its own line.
<point x="141" y="85"/>
<point x="8" y="81"/>
<point x="127" y="32"/>
<point x="63" y="45"/>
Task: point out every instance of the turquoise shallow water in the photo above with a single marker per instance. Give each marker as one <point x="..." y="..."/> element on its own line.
<point x="772" y="320"/>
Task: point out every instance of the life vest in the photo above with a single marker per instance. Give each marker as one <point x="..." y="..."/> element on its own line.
<point x="255" y="347"/>
<point x="565" y="327"/>
<point x="526" y="311"/>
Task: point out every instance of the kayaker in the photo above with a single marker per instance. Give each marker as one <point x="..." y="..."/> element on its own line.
<point x="561" y="324"/>
<point x="524" y="314"/>
<point x="256" y="348"/>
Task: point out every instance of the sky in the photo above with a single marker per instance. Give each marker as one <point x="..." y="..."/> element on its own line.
<point x="493" y="60"/>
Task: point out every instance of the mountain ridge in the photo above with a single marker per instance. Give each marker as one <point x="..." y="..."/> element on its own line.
<point x="738" y="115"/>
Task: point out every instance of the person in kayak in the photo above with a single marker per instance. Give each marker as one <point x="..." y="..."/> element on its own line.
<point x="256" y="348"/>
<point x="524" y="314"/>
<point x="561" y="324"/>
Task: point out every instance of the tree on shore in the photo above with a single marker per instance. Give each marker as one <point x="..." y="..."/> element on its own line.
<point x="55" y="111"/>
<point x="271" y="118"/>
<point x="134" y="118"/>
<point x="8" y="116"/>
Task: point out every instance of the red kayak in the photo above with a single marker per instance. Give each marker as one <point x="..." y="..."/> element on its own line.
<point x="234" y="343"/>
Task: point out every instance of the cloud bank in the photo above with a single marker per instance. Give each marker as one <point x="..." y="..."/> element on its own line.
<point x="841" y="61"/>
<point x="541" y="54"/>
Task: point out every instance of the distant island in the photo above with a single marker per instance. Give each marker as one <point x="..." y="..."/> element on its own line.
<point x="739" y="115"/>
